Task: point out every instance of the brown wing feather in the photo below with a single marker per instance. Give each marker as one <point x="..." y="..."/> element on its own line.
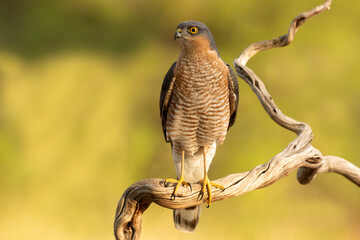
<point x="165" y="96"/>
<point x="234" y="95"/>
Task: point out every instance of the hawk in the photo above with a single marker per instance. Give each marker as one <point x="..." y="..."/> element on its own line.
<point x="198" y="105"/>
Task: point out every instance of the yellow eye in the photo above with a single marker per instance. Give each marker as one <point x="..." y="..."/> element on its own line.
<point x="193" y="30"/>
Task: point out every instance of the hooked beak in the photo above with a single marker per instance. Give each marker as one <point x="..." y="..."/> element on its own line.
<point x="178" y="34"/>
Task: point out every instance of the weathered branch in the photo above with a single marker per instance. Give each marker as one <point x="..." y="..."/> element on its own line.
<point x="299" y="154"/>
<point x="283" y="40"/>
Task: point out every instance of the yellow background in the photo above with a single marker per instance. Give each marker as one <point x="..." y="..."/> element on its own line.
<point x="79" y="118"/>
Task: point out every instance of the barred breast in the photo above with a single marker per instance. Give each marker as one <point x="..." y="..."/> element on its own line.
<point x="199" y="110"/>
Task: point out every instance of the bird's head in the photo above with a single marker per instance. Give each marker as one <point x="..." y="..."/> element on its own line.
<point x="194" y="36"/>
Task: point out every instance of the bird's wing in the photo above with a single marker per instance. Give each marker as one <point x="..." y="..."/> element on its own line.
<point x="234" y="95"/>
<point x="165" y="96"/>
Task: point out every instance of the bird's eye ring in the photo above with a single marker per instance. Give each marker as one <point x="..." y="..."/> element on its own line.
<point x="193" y="30"/>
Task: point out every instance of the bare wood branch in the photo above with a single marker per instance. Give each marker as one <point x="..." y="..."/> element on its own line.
<point x="331" y="164"/>
<point x="299" y="154"/>
<point x="283" y="40"/>
<point x="137" y="198"/>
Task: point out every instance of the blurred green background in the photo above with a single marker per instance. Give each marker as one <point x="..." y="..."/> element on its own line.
<point x="79" y="118"/>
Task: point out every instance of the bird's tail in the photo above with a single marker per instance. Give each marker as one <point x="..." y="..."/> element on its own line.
<point x="187" y="219"/>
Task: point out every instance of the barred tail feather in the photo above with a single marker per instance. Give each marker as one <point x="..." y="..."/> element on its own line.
<point x="187" y="219"/>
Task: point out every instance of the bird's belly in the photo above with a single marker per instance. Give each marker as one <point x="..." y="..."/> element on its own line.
<point x="198" y="115"/>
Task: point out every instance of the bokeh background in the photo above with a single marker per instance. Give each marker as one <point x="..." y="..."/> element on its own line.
<point x="79" y="118"/>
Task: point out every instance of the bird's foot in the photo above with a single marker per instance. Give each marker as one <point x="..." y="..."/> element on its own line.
<point x="179" y="182"/>
<point x="207" y="184"/>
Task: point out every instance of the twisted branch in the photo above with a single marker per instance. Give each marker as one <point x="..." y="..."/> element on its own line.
<point x="299" y="154"/>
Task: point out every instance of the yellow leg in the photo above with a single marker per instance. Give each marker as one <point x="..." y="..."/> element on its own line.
<point x="207" y="184"/>
<point x="181" y="181"/>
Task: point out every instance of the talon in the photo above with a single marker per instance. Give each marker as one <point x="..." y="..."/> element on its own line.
<point x="179" y="182"/>
<point x="221" y="187"/>
<point x="201" y="195"/>
<point x="170" y="180"/>
<point x="207" y="184"/>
